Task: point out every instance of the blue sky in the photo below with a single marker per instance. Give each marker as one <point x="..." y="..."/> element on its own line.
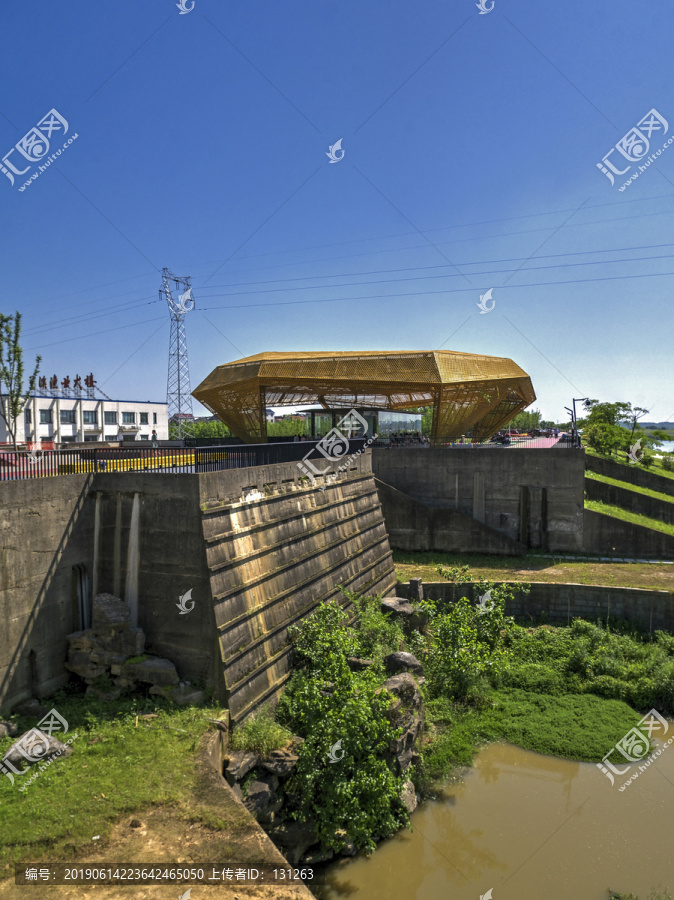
<point x="471" y="143"/>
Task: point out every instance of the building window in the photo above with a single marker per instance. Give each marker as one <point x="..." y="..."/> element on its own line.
<point x="110" y="418"/>
<point x="145" y="437"/>
<point x="45" y="417"/>
<point x="154" y="418"/>
<point x="111" y="437"/>
<point x="128" y="418"/>
<point x="67" y="417"/>
<point x="90" y="437"/>
<point x="144" y="418"/>
<point x="90" y="417"/>
<point x="29" y="415"/>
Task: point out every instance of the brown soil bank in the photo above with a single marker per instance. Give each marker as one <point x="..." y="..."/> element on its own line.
<point x="165" y="838"/>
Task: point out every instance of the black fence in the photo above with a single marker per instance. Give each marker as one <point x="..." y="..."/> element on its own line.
<point x="515" y="442"/>
<point x="21" y="464"/>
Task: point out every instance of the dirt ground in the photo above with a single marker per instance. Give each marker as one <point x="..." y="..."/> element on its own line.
<point x="167" y="838"/>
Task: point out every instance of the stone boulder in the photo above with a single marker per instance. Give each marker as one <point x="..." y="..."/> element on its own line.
<point x="280" y="763"/>
<point x="261" y="799"/>
<point x="32" y="709"/>
<point x="402" y="662"/>
<point x="410" y="797"/>
<point x="356" y="664"/>
<point x="415" y="591"/>
<point x="108" y="612"/>
<point x="293" y="839"/>
<point x="406" y="712"/>
<point x="37" y="747"/>
<point x="239" y="764"/>
<point x="7" y="729"/>
<point x="397" y="607"/>
<point x="152" y="670"/>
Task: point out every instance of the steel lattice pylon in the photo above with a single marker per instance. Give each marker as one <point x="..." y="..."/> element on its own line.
<point x="178" y="393"/>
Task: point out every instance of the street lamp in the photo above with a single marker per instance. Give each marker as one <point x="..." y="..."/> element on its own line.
<point x="574" y="432"/>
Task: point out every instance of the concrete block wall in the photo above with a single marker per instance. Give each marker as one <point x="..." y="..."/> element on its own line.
<point x="630" y="500"/>
<point x="275" y="549"/>
<point x="533" y="496"/>
<point x="560" y="604"/>
<point x="609" y="536"/>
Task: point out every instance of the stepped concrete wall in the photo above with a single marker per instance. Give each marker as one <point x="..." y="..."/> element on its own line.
<point x="531" y="496"/>
<point x="560" y="604"/>
<point x="630" y="500"/>
<point x="633" y="474"/>
<point x="613" y="537"/>
<point x="253" y="567"/>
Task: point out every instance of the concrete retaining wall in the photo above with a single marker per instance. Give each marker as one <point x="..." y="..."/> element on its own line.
<point x="533" y="496"/>
<point x="613" y="537"/>
<point x="630" y="500"/>
<point x="633" y="474"/>
<point x="559" y="604"/>
<point x="412" y="526"/>
<point x="253" y="567"/>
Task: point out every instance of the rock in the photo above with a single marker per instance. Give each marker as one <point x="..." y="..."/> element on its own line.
<point x="133" y="642"/>
<point x="8" y="729"/>
<point x="31" y="709"/>
<point x="240" y="763"/>
<point x="416" y="590"/>
<point x="294" y="839"/>
<point x="109" y="611"/>
<point x="93" y="691"/>
<point x="409" y="797"/>
<point x="261" y="799"/>
<point x="135" y="823"/>
<point x="238" y="793"/>
<point x="405" y="712"/>
<point x="183" y="695"/>
<point x="37" y="747"/>
<point x="403" y="662"/>
<point x="153" y="670"/>
<point x="316" y="857"/>
<point x="356" y="664"/>
<point x="280" y="763"/>
<point x="397" y="607"/>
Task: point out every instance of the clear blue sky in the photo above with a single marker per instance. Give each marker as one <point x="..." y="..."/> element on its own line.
<point x="471" y="144"/>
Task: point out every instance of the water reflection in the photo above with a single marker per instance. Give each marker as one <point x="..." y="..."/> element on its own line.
<point x="527" y="826"/>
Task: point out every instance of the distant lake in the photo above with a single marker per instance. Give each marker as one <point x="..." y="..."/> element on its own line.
<point x="665" y="447"/>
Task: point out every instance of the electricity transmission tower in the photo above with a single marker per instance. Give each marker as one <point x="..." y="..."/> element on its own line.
<point x="178" y="393"/>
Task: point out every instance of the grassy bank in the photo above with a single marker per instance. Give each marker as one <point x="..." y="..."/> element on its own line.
<point x="622" y="458"/>
<point x="635" y="518"/>
<point x="530" y="568"/>
<point x="657" y="495"/>
<point x="127" y="755"/>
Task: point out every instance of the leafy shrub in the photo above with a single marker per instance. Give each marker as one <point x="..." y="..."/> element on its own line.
<point x="667" y="463"/>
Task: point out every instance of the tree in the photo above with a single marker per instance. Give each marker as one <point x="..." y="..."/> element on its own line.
<point x="526" y="420"/>
<point x="13" y="398"/>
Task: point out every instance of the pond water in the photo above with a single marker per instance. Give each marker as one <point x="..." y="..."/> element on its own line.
<point x="527" y="827"/>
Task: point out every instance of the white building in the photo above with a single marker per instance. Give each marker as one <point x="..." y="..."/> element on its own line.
<point x="78" y="419"/>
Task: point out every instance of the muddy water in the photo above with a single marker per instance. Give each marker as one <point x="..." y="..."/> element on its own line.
<point x="527" y="827"/>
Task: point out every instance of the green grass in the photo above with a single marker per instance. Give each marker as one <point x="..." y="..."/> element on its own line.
<point x="635" y="518"/>
<point x="531" y="568"/>
<point x="576" y="727"/>
<point x="657" y="495"/>
<point x="260" y="734"/>
<point x="119" y="764"/>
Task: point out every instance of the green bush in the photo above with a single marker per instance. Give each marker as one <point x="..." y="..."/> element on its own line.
<point x="667" y="463"/>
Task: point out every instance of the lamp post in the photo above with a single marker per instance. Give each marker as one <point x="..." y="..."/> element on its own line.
<point x="574" y="432"/>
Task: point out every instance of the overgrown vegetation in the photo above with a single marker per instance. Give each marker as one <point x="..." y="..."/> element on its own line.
<point x="657" y="495"/>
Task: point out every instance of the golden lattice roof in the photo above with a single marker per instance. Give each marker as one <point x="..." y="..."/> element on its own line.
<point x="465" y="389"/>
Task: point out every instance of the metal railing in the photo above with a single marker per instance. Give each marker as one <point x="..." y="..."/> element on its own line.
<point x="21" y="464"/>
<point x="522" y="441"/>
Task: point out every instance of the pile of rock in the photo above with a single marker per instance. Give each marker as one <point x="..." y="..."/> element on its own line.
<point x="114" y="648"/>
<point x="260" y="781"/>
